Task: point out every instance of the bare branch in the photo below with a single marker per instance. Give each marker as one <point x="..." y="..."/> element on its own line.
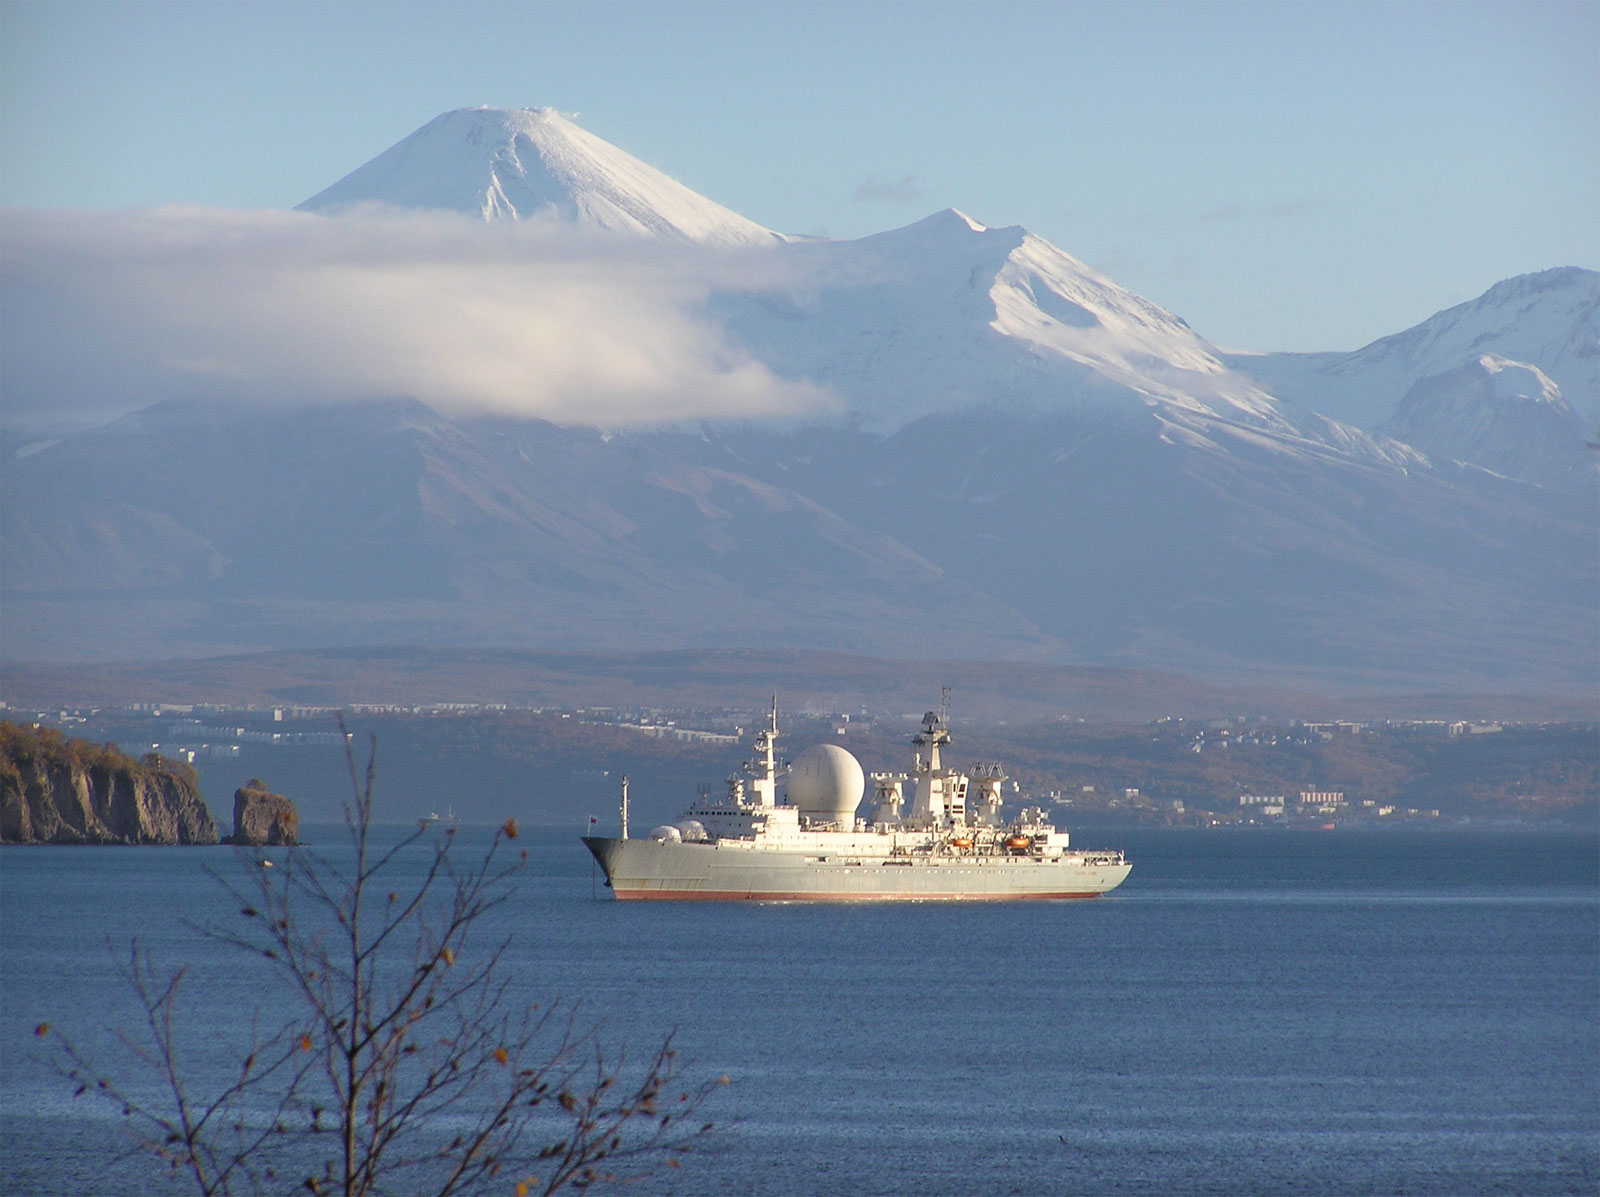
<point x="406" y="1064"/>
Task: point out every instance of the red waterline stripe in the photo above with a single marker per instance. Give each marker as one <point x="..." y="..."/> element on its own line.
<point x="690" y="895"/>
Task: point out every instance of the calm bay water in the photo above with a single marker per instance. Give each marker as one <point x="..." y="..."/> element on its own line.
<point x="1274" y="1012"/>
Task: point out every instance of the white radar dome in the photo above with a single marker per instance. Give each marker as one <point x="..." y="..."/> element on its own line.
<point x="826" y="784"/>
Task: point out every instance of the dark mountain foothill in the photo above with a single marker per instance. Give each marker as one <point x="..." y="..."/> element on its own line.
<point x="389" y="525"/>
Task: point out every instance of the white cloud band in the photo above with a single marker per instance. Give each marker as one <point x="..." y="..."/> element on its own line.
<point x="108" y="312"/>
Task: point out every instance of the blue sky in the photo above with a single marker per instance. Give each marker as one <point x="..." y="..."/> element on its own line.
<point x="1283" y="176"/>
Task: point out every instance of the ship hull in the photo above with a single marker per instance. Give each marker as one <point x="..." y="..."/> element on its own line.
<point x="645" y="870"/>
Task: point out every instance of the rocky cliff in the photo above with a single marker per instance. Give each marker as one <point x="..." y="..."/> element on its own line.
<point x="261" y="817"/>
<point x="59" y="791"/>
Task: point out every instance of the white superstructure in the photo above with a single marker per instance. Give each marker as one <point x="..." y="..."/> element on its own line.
<point x="810" y="844"/>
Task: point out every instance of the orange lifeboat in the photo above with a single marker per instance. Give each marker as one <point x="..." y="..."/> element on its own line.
<point x="960" y="841"/>
<point x="1019" y="843"/>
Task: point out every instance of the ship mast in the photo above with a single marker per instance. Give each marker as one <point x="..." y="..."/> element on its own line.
<point x="934" y="797"/>
<point x="763" y="769"/>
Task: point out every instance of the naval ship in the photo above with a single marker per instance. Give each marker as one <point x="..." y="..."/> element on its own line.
<point x="809" y="844"/>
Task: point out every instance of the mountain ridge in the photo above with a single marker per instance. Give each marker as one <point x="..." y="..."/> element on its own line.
<point x="1549" y="318"/>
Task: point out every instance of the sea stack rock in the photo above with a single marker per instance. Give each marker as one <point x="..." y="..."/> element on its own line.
<point x="262" y="818"/>
<point x="59" y="791"/>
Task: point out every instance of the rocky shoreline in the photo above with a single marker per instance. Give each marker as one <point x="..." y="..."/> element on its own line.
<point x="56" y="790"/>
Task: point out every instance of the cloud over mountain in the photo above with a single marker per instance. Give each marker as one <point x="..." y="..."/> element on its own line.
<point x="109" y="312"/>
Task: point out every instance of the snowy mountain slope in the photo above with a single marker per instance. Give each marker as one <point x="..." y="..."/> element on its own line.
<point x="1550" y="319"/>
<point x="946" y="313"/>
<point x="1503" y="415"/>
<point x="515" y="164"/>
<point x="946" y="316"/>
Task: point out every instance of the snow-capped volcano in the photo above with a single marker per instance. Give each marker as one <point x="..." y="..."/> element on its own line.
<point x="513" y="164"/>
<point x="937" y="316"/>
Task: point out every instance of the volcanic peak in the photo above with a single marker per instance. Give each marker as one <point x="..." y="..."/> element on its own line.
<point x="522" y="163"/>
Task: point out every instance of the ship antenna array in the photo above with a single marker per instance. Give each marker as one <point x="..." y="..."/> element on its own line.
<point x="944" y="705"/>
